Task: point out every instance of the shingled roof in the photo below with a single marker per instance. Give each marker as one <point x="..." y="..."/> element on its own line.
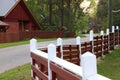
<point x="3" y="24"/>
<point x="6" y="6"/>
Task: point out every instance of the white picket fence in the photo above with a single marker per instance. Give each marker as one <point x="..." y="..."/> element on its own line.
<point x="87" y="70"/>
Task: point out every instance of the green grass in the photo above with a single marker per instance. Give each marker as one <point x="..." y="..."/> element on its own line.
<point x="19" y="73"/>
<point x="4" y="45"/>
<point x="110" y="66"/>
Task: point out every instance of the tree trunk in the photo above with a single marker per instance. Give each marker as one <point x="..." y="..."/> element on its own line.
<point x="62" y="13"/>
<point x="50" y="12"/>
<point x="110" y="15"/>
<point x="69" y="25"/>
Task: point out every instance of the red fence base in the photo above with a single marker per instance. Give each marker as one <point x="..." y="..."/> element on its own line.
<point x="12" y="37"/>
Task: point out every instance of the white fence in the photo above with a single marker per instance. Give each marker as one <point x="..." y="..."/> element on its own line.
<point x="87" y="70"/>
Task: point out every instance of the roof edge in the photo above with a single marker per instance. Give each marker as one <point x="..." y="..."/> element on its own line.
<point x="28" y="10"/>
<point x="31" y="14"/>
<point x="12" y="8"/>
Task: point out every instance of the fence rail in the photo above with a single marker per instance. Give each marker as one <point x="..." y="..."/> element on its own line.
<point x="71" y="59"/>
<point x="59" y="71"/>
<point x="101" y="45"/>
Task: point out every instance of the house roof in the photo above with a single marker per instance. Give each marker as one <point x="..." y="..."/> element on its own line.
<point x="6" y="6"/>
<point x="3" y="23"/>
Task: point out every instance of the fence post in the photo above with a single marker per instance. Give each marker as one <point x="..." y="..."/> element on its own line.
<point x="89" y="66"/>
<point x="117" y="27"/>
<point x="59" y="43"/>
<point x="113" y="31"/>
<point x="51" y="56"/>
<point x="33" y="46"/>
<point x="107" y="33"/>
<point x="102" y="34"/>
<point x="78" y="42"/>
<point x="91" y="39"/>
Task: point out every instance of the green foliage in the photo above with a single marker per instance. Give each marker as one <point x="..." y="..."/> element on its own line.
<point x="42" y="12"/>
<point x="81" y="24"/>
<point x="116" y="15"/>
<point x="102" y="14"/>
<point x="77" y="21"/>
<point x="93" y="6"/>
<point x="102" y="9"/>
<point x="104" y="23"/>
<point x="35" y="9"/>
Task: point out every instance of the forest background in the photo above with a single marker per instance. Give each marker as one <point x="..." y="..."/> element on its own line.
<point x="75" y="15"/>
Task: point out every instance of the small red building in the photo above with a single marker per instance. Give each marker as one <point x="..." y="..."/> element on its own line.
<point x="15" y="18"/>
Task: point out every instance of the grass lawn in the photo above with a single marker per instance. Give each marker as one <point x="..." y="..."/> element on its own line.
<point x="109" y="67"/>
<point x="3" y="45"/>
<point x="19" y="73"/>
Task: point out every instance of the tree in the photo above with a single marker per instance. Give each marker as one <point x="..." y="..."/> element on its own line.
<point x="102" y="14"/>
<point x="97" y="11"/>
<point x="50" y="12"/>
<point x="61" y="13"/>
<point x="116" y="12"/>
<point x="81" y="24"/>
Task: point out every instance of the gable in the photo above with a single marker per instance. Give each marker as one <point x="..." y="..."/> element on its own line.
<point x="19" y="13"/>
<point x="6" y="6"/>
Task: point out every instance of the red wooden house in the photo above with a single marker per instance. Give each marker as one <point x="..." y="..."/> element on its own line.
<point x="15" y="17"/>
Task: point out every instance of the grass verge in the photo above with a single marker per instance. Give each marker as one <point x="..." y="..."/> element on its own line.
<point x="4" y="45"/>
<point x="19" y="73"/>
<point x="110" y="66"/>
